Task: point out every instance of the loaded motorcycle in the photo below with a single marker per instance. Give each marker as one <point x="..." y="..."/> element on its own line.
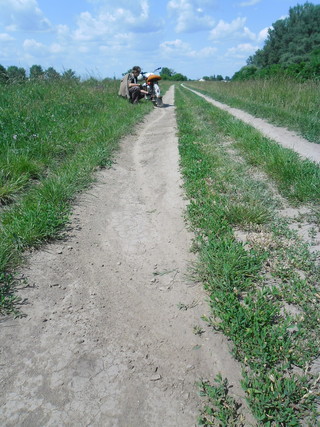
<point x="151" y="86"/>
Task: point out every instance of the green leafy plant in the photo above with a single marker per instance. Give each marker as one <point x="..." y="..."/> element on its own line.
<point x="221" y="409"/>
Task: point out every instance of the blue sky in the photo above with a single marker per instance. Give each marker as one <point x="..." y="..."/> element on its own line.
<point x="104" y="38"/>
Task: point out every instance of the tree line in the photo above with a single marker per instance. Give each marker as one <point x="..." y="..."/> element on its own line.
<point x="14" y="74"/>
<point x="216" y="78"/>
<point x="291" y="48"/>
<point x="169" y="74"/>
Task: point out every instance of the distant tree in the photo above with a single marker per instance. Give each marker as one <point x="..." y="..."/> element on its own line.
<point x="3" y="75"/>
<point x="214" y="78"/>
<point x="16" y="74"/>
<point x="51" y="74"/>
<point x="70" y="75"/>
<point x="178" y="77"/>
<point x="169" y="74"/>
<point x="36" y="72"/>
<point x="166" y="73"/>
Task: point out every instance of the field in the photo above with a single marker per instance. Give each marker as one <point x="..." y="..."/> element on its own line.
<point x="253" y="209"/>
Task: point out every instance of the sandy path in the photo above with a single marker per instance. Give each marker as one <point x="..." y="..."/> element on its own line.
<point x="104" y="342"/>
<point x="281" y="135"/>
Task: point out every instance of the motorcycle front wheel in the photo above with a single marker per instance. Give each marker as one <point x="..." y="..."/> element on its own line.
<point x="159" y="102"/>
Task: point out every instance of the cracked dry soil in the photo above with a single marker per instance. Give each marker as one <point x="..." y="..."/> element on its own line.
<point x="104" y="342"/>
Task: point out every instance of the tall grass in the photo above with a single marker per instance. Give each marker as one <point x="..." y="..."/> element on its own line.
<point x="43" y="125"/>
<point x="53" y="136"/>
<point x="283" y="101"/>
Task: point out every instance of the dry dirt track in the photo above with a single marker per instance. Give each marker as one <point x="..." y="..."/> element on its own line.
<point x="285" y="137"/>
<point x="104" y="342"/>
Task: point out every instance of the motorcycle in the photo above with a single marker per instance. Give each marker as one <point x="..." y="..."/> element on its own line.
<point x="151" y="86"/>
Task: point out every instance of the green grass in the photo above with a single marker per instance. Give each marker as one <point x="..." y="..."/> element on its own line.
<point x="252" y="285"/>
<point x="296" y="179"/>
<point x="282" y="101"/>
<point x="53" y="139"/>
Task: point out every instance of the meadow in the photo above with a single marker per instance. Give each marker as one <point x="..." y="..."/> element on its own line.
<point x="283" y="101"/>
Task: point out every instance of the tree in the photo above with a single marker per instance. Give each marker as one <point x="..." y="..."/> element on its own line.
<point x="36" y="72"/>
<point x="245" y="73"/>
<point x="3" y="75"/>
<point x="291" y="40"/>
<point x="51" y="74"/>
<point x="16" y="74"/>
<point x="167" y="73"/>
<point x="70" y="75"/>
<point x="178" y="77"/>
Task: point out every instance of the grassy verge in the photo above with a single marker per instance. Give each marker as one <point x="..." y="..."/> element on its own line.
<point x="53" y="138"/>
<point x="264" y="293"/>
<point x="284" y="102"/>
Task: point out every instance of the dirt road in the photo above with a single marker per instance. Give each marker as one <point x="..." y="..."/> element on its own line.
<point x="282" y="136"/>
<point x="108" y="338"/>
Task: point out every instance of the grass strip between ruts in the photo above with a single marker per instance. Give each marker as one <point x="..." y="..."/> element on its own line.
<point x="274" y="346"/>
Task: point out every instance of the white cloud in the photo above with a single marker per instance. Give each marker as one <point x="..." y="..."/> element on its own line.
<point x="90" y="28"/>
<point x="178" y="48"/>
<point x="263" y="34"/>
<point x="205" y="52"/>
<point x="248" y="34"/>
<point x="242" y="50"/>
<point x="56" y="48"/>
<point x="175" y="46"/>
<point x="224" y="29"/>
<point x="62" y="30"/>
<point x="25" y="15"/>
<point x="249" y="3"/>
<point x="4" y="37"/>
<point x="31" y="44"/>
<point x="189" y="15"/>
<point x="236" y="29"/>
<point x="34" y="48"/>
<point x="111" y="18"/>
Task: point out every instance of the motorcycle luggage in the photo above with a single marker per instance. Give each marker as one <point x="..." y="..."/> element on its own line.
<point x="153" y="77"/>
